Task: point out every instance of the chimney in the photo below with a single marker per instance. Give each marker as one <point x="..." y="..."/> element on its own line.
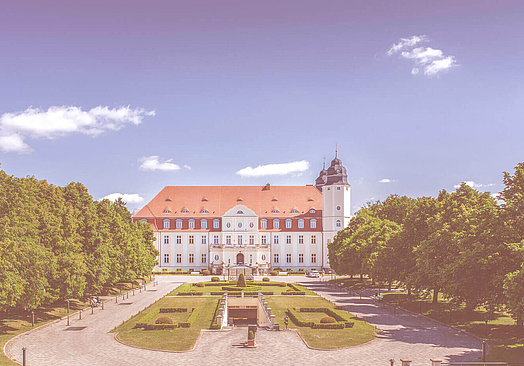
<point x="267" y="187"/>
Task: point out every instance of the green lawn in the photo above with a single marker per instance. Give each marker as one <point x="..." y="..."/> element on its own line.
<point x="506" y="343"/>
<point x="321" y="338"/>
<point x="179" y="339"/>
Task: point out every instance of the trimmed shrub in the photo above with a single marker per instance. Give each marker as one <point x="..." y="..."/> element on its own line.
<point x="216" y="293"/>
<point x="173" y="310"/>
<point x="293" y="292"/>
<point x="159" y="326"/>
<point x="164" y="320"/>
<point x="278" y="269"/>
<point x="328" y="326"/>
<point x="199" y="284"/>
<point x="328" y="319"/>
<point x="190" y="293"/>
<point x="294" y="287"/>
<point x="205" y="272"/>
<point x="241" y="281"/>
<point x="265" y="279"/>
<point x="216" y="326"/>
<point x="235" y="288"/>
<point x="215" y="279"/>
<point x="273" y="273"/>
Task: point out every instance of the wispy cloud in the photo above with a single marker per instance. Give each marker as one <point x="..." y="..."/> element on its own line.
<point x="152" y="163"/>
<point x="387" y="180"/>
<point x="187" y="167"/>
<point x="61" y="121"/>
<point x="432" y="61"/>
<point x="274" y="169"/>
<point x="129" y="198"/>
<point x="472" y="184"/>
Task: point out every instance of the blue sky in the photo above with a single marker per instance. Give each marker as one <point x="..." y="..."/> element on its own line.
<point x="239" y="84"/>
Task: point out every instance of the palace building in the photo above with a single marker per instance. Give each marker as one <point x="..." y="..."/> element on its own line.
<point x="265" y="227"/>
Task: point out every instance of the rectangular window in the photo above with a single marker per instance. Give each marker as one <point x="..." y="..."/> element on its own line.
<point x="215" y="239"/>
<point x="288" y="239"/>
<point x="313" y="224"/>
<point x="313" y="258"/>
<point x="191" y="258"/>
<point x="228" y="239"/>
<point x="239" y="240"/>
<point x="301" y="239"/>
<point x="275" y="239"/>
<point x="179" y="239"/>
<point x="216" y="224"/>
<point x="191" y="224"/>
<point x="313" y="239"/>
<point x="288" y="258"/>
<point x="300" y="224"/>
<point x="179" y="258"/>
<point x="275" y="258"/>
<point x="204" y="258"/>
<point x="288" y="224"/>
<point x="191" y="239"/>
<point x="166" y="224"/>
<point x="166" y="258"/>
<point x="166" y="239"/>
<point x="203" y="224"/>
<point x="276" y="224"/>
<point x="179" y="224"/>
<point x="251" y="239"/>
<point x="263" y="224"/>
<point x="263" y="239"/>
<point x="204" y="239"/>
<point x="301" y="258"/>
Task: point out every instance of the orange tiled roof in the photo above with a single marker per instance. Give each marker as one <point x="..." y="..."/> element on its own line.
<point x="217" y="200"/>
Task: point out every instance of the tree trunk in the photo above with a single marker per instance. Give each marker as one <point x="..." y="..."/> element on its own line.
<point x="519" y="324"/>
<point x="435" y="295"/>
<point x="409" y="291"/>
<point x="361" y="276"/>
<point x="389" y="286"/>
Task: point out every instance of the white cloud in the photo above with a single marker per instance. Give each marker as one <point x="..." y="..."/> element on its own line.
<point x="386" y="180"/>
<point x="274" y="169"/>
<point x="432" y="60"/>
<point x="406" y="42"/>
<point x="474" y="185"/>
<point x="60" y="121"/>
<point x="187" y="167"/>
<point x="129" y="198"/>
<point x="151" y="163"/>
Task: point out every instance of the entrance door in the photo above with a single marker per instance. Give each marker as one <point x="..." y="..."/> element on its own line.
<point x="240" y="258"/>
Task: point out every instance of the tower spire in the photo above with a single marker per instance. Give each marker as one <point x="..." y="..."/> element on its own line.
<point x="336" y="151"/>
<point x="324" y="164"/>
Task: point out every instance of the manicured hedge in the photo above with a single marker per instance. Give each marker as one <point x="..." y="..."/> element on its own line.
<point x="173" y="310"/>
<point x="189" y="320"/>
<point x="160" y="326"/>
<point x="281" y="284"/>
<point x="338" y="317"/>
<point x="235" y="288"/>
<point x="328" y="326"/>
<point x="293" y="293"/>
<point x="294" y="287"/>
<point x="298" y="320"/>
<point x="214" y="324"/>
<point x="147" y="318"/>
<point x="217" y="283"/>
<point x="190" y="293"/>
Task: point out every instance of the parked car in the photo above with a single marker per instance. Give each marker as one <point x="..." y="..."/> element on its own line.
<point x="314" y="274"/>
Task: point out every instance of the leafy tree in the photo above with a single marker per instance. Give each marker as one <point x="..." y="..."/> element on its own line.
<point x="514" y="293"/>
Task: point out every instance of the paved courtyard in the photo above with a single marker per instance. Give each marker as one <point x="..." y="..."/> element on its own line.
<point x="87" y="341"/>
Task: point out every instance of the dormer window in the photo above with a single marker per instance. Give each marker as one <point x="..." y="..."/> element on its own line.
<point x="216" y="224"/>
<point x="168" y="199"/>
<point x="294" y="211"/>
<point x="240" y="212"/>
<point x="263" y="224"/>
<point x="204" y="211"/>
<point x="300" y="223"/>
<point x="167" y="211"/>
<point x="288" y="224"/>
<point x="143" y="220"/>
<point x="274" y="199"/>
<point x="313" y="224"/>
<point x="166" y="224"/>
<point x="276" y="224"/>
<point x="185" y="210"/>
<point x="312" y="211"/>
<point x="191" y="224"/>
<point x="275" y="211"/>
<point x="239" y="199"/>
<point x="204" y="199"/>
<point x="179" y="224"/>
<point x="203" y="224"/>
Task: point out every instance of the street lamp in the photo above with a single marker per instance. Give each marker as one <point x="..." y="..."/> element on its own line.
<point x="68" y="306"/>
<point x="33" y="322"/>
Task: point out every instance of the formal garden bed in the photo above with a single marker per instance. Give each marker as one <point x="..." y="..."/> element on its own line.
<point x="193" y="307"/>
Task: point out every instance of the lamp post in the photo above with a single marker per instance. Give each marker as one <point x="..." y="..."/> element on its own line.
<point x="391" y="362"/>
<point x="33" y="321"/>
<point x="68" y="306"/>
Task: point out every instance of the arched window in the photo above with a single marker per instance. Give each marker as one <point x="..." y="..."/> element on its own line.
<point x="276" y="224"/>
<point x="166" y="224"/>
<point x="203" y="224"/>
<point x="275" y="211"/>
<point x="204" y="211"/>
<point x="288" y="224"/>
<point x="185" y="211"/>
<point x="216" y="224"/>
<point x="312" y="211"/>
<point x="339" y="224"/>
<point x="313" y="224"/>
<point x="300" y="223"/>
<point x="294" y="211"/>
